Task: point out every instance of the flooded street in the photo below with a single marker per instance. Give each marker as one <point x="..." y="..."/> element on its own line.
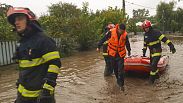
<point x="82" y="81"/>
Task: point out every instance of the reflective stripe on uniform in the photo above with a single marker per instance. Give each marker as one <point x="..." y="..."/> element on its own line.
<point x="144" y="47"/>
<point x="156" y="54"/>
<point x="154" y="73"/>
<point x="168" y="41"/>
<point x="161" y="37"/>
<point x="27" y="93"/>
<point x="153" y="43"/>
<point x="48" y="87"/>
<point x="38" y="61"/>
<point x="53" y="69"/>
<point x="28" y="63"/>
<point x="105" y="42"/>
<point x="51" y="55"/>
<point x="105" y="54"/>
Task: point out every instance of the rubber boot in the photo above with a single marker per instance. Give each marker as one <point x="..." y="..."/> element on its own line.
<point x="120" y="82"/>
<point x="107" y="71"/>
<point x="152" y="78"/>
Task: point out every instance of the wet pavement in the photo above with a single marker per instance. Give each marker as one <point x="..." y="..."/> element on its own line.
<point x="81" y="80"/>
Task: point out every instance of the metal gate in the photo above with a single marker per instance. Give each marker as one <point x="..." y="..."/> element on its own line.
<point x="7" y="48"/>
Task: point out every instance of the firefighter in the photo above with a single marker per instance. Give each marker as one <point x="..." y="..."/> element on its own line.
<point x="117" y="51"/>
<point x="38" y="58"/>
<point x="152" y="40"/>
<point x="108" y="69"/>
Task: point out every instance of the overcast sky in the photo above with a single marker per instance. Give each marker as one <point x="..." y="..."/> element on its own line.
<point x="41" y="6"/>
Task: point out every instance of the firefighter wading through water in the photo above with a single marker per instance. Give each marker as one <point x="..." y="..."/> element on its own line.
<point x="152" y="40"/>
<point x="108" y="70"/>
<point x="117" y="42"/>
<point x="37" y="56"/>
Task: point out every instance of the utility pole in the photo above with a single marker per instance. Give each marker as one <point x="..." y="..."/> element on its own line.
<point x="163" y="21"/>
<point x="123" y="2"/>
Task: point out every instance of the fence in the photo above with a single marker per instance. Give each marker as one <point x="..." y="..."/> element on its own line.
<point x="7" y="49"/>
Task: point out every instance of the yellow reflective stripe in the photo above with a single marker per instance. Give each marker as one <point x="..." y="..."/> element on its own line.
<point x="105" y="42"/>
<point x="153" y="43"/>
<point x="38" y="61"/>
<point x="144" y="47"/>
<point x="156" y="54"/>
<point x="53" y="69"/>
<point x="105" y="54"/>
<point x="154" y="73"/>
<point x="168" y="41"/>
<point x="20" y="88"/>
<point x="48" y="87"/>
<point x="27" y="93"/>
<point x="161" y="37"/>
<point x="33" y="62"/>
<point x="51" y="55"/>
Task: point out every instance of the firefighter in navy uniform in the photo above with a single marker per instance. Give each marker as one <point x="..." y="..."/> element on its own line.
<point x="108" y="69"/>
<point x="152" y="40"/>
<point x="117" y="45"/>
<point x="38" y="58"/>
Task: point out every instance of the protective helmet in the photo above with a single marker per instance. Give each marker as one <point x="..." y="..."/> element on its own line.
<point x="15" y="11"/>
<point x="110" y="26"/>
<point x="146" y="24"/>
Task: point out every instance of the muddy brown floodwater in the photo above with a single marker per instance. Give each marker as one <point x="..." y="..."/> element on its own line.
<point x="82" y="81"/>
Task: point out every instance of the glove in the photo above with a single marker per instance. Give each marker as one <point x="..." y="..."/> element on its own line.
<point x="17" y="83"/>
<point x="47" y="93"/>
<point x="172" y="49"/>
<point x="144" y="53"/>
<point x="98" y="49"/>
<point x="129" y="53"/>
<point x="46" y="96"/>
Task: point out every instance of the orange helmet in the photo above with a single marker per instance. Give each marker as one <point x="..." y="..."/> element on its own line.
<point x="15" y="11"/>
<point x="146" y="24"/>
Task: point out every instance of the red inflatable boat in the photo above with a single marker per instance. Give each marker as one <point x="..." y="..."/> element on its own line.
<point x="137" y="63"/>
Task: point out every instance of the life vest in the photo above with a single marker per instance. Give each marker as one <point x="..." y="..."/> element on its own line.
<point x="116" y="45"/>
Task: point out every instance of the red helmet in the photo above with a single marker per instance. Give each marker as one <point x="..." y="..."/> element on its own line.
<point x="15" y="11"/>
<point x="110" y="26"/>
<point x="146" y="24"/>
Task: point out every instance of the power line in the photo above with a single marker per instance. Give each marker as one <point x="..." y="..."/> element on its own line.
<point x="139" y="5"/>
<point x="124" y="8"/>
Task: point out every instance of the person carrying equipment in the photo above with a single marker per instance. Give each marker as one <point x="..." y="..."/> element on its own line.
<point x="117" y="51"/>
<point x="108" y="69"/>
<point x="152" y="40"/>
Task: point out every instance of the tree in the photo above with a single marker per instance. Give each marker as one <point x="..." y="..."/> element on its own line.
<point x="79" y="28"/>
<point x="164" y="15"/>
<point x="179" y="16"/>
<point x="58" y="23"/>
<point x="139" y="15"/>
<point x="5" y="28"/>
<point x="113" y="15"/>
